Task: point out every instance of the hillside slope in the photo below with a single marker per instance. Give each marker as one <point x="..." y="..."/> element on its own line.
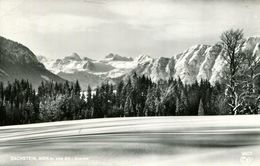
<point x="19" y="62"/>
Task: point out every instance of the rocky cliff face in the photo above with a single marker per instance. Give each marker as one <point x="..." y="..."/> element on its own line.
<point x="196" y="63"/>
<point x="188" y="63"/>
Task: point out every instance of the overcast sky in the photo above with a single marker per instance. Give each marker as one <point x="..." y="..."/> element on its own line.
<point x="94" y="28"/>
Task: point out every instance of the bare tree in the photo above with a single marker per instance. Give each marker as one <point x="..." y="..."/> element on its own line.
<point x="251" y="73"/>
<point x="252" y="64"/>
<point x="232" y="42"/>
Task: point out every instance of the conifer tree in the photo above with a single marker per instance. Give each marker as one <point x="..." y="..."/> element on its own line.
<point x="89" y="97"/>
<point x="201" y="109"/>
<point x="150" y="105"/>
<point x="128" y="108"/>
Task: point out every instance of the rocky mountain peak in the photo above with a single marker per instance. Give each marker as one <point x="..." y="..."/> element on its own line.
<point x="87" y="59"/>
<point x="141" y="59"/>
<point x="74" y="56"/>
<point x="116" y="57"/>
<point x="89" y="65"/>
<point x="251" y="43"/>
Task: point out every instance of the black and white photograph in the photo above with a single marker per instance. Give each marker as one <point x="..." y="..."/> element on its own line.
<point x="129" y="82"/>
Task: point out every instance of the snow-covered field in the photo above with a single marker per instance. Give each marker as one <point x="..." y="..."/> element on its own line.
<point x="204" y="140"/>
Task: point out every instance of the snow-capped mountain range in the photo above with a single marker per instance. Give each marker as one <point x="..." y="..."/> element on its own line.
<point x="196" y="63"/>
<point x="91" y="72"/>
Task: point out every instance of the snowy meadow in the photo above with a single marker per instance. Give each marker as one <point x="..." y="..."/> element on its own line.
<point x="181" y="140"/>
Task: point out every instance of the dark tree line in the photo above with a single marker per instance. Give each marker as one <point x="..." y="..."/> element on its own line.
<point x="138" y="96"/>
<point x="19" y="103"/>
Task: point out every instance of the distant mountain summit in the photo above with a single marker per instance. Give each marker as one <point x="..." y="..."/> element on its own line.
<point x="74" y="57"/>
<point x="141" y="59"/>
<point x="19" y="62"/>
<point x="115" y="57"/>
<point x="87" y="59"/>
